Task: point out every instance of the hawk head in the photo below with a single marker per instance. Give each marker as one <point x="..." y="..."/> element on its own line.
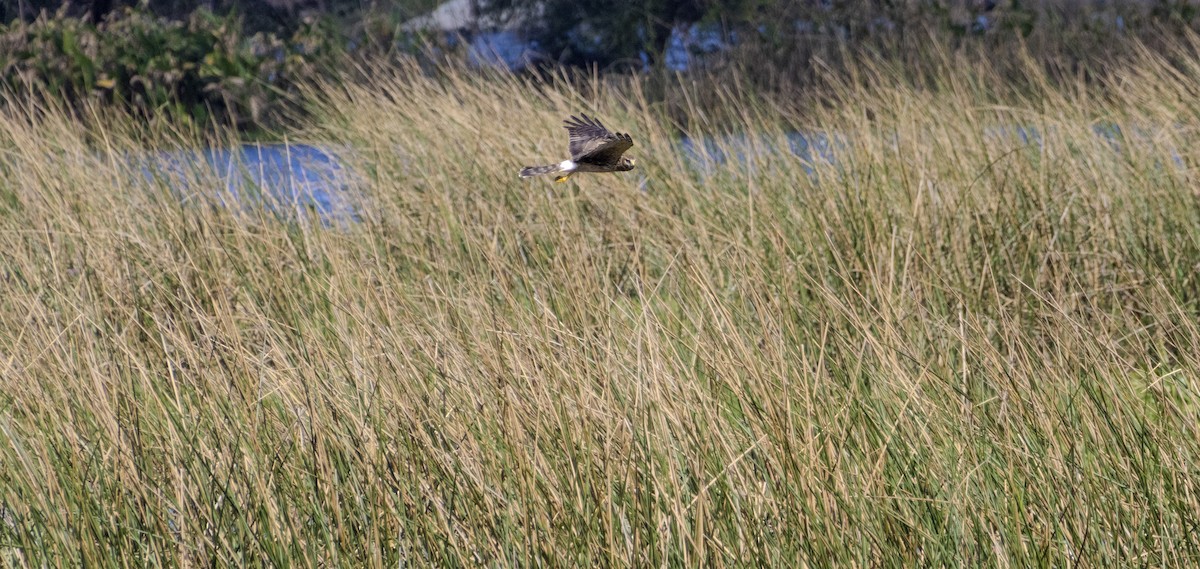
<point x="626" y="164"/>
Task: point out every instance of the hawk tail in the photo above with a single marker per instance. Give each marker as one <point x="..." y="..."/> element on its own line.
<point x="531" y="171"/>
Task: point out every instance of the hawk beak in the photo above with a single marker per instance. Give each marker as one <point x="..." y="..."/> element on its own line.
<point x="632" y="162"/>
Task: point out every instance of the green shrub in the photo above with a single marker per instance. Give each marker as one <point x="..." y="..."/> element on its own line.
<point x="203" y="69"/>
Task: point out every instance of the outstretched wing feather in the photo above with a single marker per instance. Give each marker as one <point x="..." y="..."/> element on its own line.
<point x="591" y="142"/>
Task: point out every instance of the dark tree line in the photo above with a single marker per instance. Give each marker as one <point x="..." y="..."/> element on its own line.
<point x="568" y="31"/>
<point x="259" y="15"/>
<point x="609" y="31"/>
<point x="240" y="59"/>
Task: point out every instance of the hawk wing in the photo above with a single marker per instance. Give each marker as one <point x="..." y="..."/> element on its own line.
<point x="594" y="144"/>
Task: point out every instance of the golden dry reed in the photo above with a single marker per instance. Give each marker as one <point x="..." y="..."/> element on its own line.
<point x="969" y="339"/>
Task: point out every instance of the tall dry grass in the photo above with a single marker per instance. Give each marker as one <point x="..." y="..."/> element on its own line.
<point x="950" y="346"/>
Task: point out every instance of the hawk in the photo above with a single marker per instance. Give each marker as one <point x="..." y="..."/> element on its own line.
<point x="593" y="149"/>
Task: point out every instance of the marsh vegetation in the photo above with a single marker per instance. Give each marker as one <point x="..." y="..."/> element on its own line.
<point x="949" y="345"/>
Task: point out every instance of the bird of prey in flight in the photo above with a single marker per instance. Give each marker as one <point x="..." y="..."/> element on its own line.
<point x="593" y="149"/>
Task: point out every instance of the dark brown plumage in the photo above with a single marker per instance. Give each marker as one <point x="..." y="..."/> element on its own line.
<point x="593" y="148"/>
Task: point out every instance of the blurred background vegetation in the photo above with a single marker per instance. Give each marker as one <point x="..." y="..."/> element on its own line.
<point x="233" y="62"/>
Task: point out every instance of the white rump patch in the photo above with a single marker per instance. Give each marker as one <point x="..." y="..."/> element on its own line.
<point x="567" y="166"/>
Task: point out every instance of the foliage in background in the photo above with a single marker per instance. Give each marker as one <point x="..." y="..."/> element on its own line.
<point x="204" y="67"/>
<point x="278" y="16"/>
<point x="612" y="31"/>
<point x="780" y="37"/>
<point x="238" y="65"/>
